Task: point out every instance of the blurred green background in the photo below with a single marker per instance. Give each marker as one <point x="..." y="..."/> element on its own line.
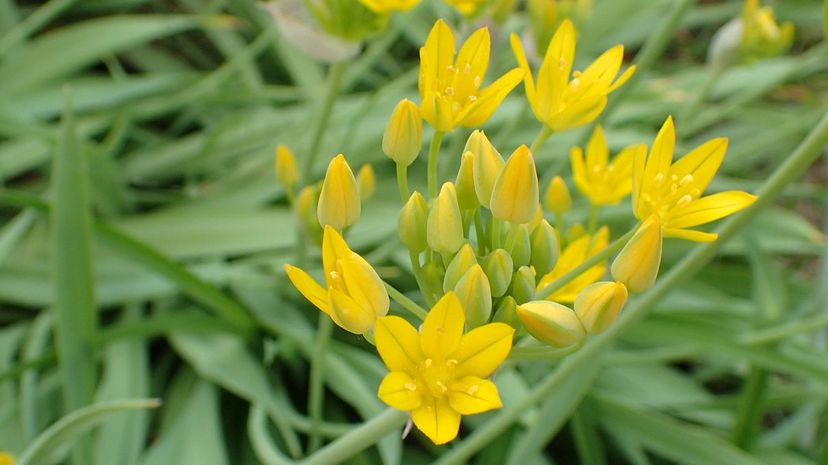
<point x="141" y="220"/>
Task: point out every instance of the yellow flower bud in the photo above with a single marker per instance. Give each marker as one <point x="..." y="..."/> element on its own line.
<point x="286" y="171"/>
<point x="515" y="194"/>
<point x="637" y="264"/>
<point x="445" y="225"/>
<point x="403" y="136"/>
<point x="487" y="165"/>
<point x="557" y="198"/>
<point x="366" y="181"/>
<point x="6" y="459"/>
<point x="519" y="245"/>
<point x="305" y="208"/>
<point x="498" y="266"/>
<point x="458" y="266"/>
<point x="598" y="304"/>
<point x="412" y="223"/>
<point x="466" y="196"/>
<point x="523" y="285"/>
<point x="475" y="296"/>
<point x="506" y="312"/>
<point x="551" y="323"/>
<point x="545" y="248"/>
<point x="339" y="204"/>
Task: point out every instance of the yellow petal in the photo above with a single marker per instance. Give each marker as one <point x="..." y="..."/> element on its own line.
<point x="528" y="81"/>
<point x="444" y="228"/>
<point x="622" y="79"/>
<point x="399" y="390"/>
<point x="439" y="51"/>
<point x="597" y="151"/>
<point x="351" y="316"/>
<point x="308" y="288"/>
<point x="489" y="99"/>
<point x="487" y="166"/>
<point x="397" y="343"/>
<point x="437" y="110"/>
<point x="557" y="198"/>
<point x="636" y="266"/>
<point x="437" y="420"/>
<point x="364" y="285"/>
<point x="602" y="71"/>
<point x="553" y="75"/>
<point x="710" y="208"/>
<point x="334" y="248"/>
<point x="443" y="327"/>
<point x="515" y="193"/>
<point x="690" y="235"/>
<point x="475" y="54"/>
<point x="661" y="154"/>
<point x="700" y="164"/>
<point x="471" y="395"/>
<point x="339" y="203"/>
<point x="483" y="349"/>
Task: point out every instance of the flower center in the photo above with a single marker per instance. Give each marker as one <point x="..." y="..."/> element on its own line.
<point x="437" y="375"/>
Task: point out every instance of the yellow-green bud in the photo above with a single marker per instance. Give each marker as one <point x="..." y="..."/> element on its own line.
<point x="506" y="312"/>
<point x="515" y="193"/>
<point x="487" y="165"/>
<point x="545" y="248"/>
<point x="412" y="223"/>
<point x="366" y="181"/>
<point x="403" y="136"/>
<point x="498" y="266"/>
<point x="466" y="197"/>
<point x="306" y="211"/>
<point x="445" y="225"/>
<point x="637" y="264"/>
<point x="476" y="296"/>
<point x="557" y="198"/>
<point x="551" y="323"/>
<point x="523" y="285"/>
<point x="339" y="204"/>
<point x="521" y="248"/>
<point x="598" y="304"/>
<point x="286" y="171"/>
<point x="458" y="266"/>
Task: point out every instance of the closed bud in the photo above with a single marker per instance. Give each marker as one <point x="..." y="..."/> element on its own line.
<point x="366" y="181"/>
<point x="598" y="304"/>
<point x="520" y="245"/>
<point x="445" y="225"/>
<point x="523" y="285"/>
<point x="545" y="248"/>
<point x="515" y="193"/>
<point x="403" y="136"/>
<point x="475" y="295"/>
<point x="286" y="171"/>
<point x="506" y="312"/>
<point x="551" y="323"/>
<point x="499" y="266"/>
<point x="487" y="165"/>
<point x="466" y="197"/>
<point x="637" y="264"/>
<point x="462" y="261"/>
<point x="339" y="204"/>
<point x="306" y="211"/>
<point x="557" y="199"/>
<point x="412" y="223"/>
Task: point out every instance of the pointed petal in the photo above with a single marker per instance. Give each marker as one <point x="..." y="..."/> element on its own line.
<point x="690" y="235"/>
<point x="579" y="171"/>
<point x="597" y="152"/>
<point x="710" y="208"/>
<point x="334" y="248"/>
<point x="528" y="80"/>
<point x="399" y="390"/>
<point x="489" y="99"/>
<point x="437" y="420"/>
<point x="661" y="154"/>
<point x="470" y="395"/>
<point x="349" y="314"/>
<point x="443" y="327"/>
<point x="439" y="49"/>
<point x="437" y="111"/>
<point x="475" y="53"/>
<point x="364" y="285"/>
<point x="622" y="79"/>
<point x="602" y="71"/>
<point x="308" y="288"/>
<point x="701" y="163"/>
<point x="561" y="49"/>
<point x="398" y="344"/>
<point x="483" y="349"/>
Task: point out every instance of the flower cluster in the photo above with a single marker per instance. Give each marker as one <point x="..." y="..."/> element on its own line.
<point x="495" y="254"/>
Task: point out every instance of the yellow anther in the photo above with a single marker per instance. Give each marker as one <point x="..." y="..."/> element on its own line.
<point x="410" y="386"/>
<point x="467" y="68"/>
<point x="442" y="386"/>
<point x="472" y="98"/>
<point x="428" y="362"/>
<point x="687" y="179"/>
<point x="477" y="81"/>
<point x="684" y="200"/>
<point x="473" y="390"/>
<point x="659" y="178"/>
<point x="449" y="91"/>
<point x="451" y="363"/>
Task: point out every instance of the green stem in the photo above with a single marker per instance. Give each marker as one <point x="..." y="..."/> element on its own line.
<point x="807" y="152"/>
<point x="605" y="253"/>
<point x="433" y="151"/>
<point x="593" y="219"/>
<point x="405" y="302"/>
<point x="543" y="134"/>
<point x="750" y="408"/>
<point x="332" y="90"/>
<point x="317" y="382"/>
<point x="496" y="232"/>
<point x="784" y="331"/>
<point x="402" y="182"/>
<point x="480" y="231"/>
<point x="360" y="438"/>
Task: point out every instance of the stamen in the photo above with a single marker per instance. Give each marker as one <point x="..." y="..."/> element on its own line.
<point x="442" y="386"/>
<point x="477" y="81"/>
<point x="428" y="362"/>
<point x="659" y="178"/>
<point x="410" y="386"/>
<point x="472" y="98"/>
<point x="473" y="390"/>
<point x="687" y="179"/>
<point x="467" y="68"/>
<point x="451" y="362"/>
<point x="449" y="91"/>
<point x="684" y="200"/>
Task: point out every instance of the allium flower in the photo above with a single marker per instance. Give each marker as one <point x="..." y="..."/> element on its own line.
<point x="573" y="255"/>
<point x="602" y="181"/>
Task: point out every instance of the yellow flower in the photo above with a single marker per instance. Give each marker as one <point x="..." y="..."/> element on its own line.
<point x="673" y="191"/>
<point x="515" y="193"/>
<point x="450" y="88"/>
<point x="638" y="262"/>
<point x="286" y="171"/>
<point x="557" y="198"/>
<point x="602" y="181"/>
<point x="389" y="6"/>
<point x="466" y="7"/>
<point x="573" y="255"/>
<point x="339" y="203"/>
<point x="353" y="296"/>
<point x="562" y="104"/>
<point x="403" y="136"/>
<point x="440" y="373"/>
<point x="761" y="35"/>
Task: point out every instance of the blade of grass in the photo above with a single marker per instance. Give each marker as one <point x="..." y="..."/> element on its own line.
<point x="32" y="23"/>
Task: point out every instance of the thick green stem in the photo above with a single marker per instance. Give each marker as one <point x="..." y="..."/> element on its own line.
<point x="433" y="151"/>
<point x="593" y="219"/>
<point x="543" y="134"/>
<point x="402" y="182"/>
<point x="317" y="382"/>
<point x="405" y="302"/>
<point x="360" y="438"/>
<point x="604" y="254"/>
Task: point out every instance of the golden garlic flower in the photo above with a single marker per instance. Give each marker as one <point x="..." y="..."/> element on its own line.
<point x="601" y="181"/>
<point x="389" y="6"/>
<point x="440" y="373"/>
<point x="353" y="296"/>
<point x="561" y="103"/>
<point x="573" y="255"/>
<point x="762" y="36"/>
<point x="449" y="86"/>
<point x="673" y="191"/>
